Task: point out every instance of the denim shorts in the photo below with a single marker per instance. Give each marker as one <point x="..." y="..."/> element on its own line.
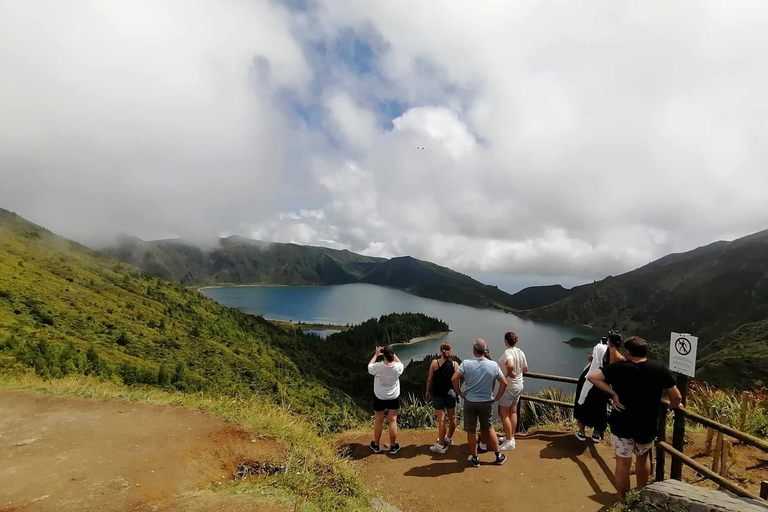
<point x="442" y="402"/>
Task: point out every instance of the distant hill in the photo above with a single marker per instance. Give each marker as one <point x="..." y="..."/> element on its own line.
<point x="238" y="260"/>
<point x="538" y="296"/>
<point x="718" y="292"/>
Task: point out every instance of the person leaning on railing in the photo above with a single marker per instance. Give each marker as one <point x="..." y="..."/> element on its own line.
<point x="635" y="386"/>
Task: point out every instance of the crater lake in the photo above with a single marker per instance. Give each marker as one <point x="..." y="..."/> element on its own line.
<point x="354" y="303"/>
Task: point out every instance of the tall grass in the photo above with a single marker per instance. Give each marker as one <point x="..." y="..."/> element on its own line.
<point x="313" y="471"/>
<point x="727" y="405"/>
<point x="545" y="415"/>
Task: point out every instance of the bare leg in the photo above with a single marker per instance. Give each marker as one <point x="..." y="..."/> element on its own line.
<point x="378" y="426"/>
<point x="643" y="469"/>
<point x="472" y="443"/>
<point x="582" y="427"/>
<point x="392" y="418"/>
<point x="440" y="427"/>
<point x="493" y="441"/>
<point x="623" y="466"/>
<point x="513" y="420"/>
<point x="452" y="419"/>
<point x="506" y="421"/>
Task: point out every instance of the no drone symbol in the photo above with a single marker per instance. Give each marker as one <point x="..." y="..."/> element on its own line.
<point x="683" y="346"/>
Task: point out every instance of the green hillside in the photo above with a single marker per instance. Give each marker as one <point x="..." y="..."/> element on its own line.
<point x="238" y="260"/>
<point x="718" y="292"/>
<point x="67" y="309"/>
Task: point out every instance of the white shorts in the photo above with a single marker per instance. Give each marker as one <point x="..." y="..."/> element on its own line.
<point x="625" y="448"/>
<point x="510" y="397"/>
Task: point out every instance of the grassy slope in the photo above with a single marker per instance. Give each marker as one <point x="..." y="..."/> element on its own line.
<point x="59" y="299"/>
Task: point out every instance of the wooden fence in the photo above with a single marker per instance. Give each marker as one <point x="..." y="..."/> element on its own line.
<point x="675" y="450"/>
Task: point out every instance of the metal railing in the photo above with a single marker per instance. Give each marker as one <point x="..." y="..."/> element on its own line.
<point x="675" y="450"/>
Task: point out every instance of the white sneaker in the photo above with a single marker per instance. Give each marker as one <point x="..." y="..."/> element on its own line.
<point x="483" y="446"/>
<point x="448" y="441"/>
<point x="508" y="446"/>
<point x="439" y="449"/>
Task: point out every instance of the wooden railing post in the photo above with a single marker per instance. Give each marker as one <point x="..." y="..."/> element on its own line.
<point x="662" y="438"/>
<point x="744" y="410"/>
<point x="710" y="432"/>
<point x="678" y="431"/>
<point x="718" y="453"/>
<point x="764" y="490"/>
<point x="519" y="427"/>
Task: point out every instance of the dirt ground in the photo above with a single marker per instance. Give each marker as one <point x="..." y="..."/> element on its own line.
<point x="73" y="454"/>
<point x="547" y="471"/>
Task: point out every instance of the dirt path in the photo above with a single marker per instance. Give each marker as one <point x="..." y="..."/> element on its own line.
<point x="548" y="471"/>
<point x="73" y="454"/>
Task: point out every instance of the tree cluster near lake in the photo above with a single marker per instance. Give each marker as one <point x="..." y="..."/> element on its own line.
<point x="340" y="360"/>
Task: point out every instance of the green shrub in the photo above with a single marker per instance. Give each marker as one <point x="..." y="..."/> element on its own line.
<point x="536" y="414"/>
<point x="415" y="413"/>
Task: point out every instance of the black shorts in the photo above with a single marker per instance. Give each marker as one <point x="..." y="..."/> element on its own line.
<point x="385" y="405"/>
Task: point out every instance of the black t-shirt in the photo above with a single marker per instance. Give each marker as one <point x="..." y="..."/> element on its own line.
<point x="639" y="386"/>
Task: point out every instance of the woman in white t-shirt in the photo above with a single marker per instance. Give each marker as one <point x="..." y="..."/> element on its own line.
<point x="513" y="364"/>
<point x="386" y="395"/>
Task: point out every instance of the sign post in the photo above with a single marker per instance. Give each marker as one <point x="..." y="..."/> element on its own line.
<point x="682" y="353"/>
<point x="682" y="359"/>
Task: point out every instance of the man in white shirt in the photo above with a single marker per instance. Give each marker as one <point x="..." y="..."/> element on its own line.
<point x="386" y="395"/>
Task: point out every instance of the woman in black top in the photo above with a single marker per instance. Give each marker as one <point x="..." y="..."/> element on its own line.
<point x="592" y="410"/>
<point x="440" y="392"/>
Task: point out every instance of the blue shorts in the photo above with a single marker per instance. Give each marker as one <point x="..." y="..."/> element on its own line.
<point x="442" y="402"/>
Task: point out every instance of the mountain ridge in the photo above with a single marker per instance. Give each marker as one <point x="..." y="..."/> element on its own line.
<point x="718" y="292"/>
<point x="238" y="260"/>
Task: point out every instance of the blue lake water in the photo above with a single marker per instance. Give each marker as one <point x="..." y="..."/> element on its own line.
<point x="354" y="303"/>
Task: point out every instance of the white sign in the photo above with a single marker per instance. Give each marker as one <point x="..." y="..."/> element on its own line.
<point x="682" y="353"/>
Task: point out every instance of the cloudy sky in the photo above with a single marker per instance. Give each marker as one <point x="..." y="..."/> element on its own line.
<point x="560" y="139"/>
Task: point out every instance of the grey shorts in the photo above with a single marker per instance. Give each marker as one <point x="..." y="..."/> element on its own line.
<point x="510" y="397"/>
<point x="474" y="411"/>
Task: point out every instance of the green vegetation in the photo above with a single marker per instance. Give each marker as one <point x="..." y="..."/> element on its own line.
<point x="635" y="503"/>
<point x="727" y="406"/>
<point x="65" y="310"/>
<point x="340" y="360"/>
<point x="718" y="292"/>
<point x="238" y="261"/>
<point x="579" y="342"/>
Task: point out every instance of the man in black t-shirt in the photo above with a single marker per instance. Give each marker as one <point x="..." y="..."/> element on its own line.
<point x="636" y="386"/>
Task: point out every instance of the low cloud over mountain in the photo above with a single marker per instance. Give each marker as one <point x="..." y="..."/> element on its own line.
<point x="544" y="139"/>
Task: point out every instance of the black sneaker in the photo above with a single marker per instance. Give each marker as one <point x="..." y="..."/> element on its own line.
<point x="474" y="461"/>
<point x="374" y="447"/>
<point x="500" y="458"/>
<point x="394" y="448"/>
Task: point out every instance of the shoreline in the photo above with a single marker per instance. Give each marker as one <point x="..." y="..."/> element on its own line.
<point x="431" y="336"/>
<point x="313" y="326"/>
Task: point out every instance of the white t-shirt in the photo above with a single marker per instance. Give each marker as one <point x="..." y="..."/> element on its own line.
<point x="386" y="380"/>
<point x="520" y="363"/>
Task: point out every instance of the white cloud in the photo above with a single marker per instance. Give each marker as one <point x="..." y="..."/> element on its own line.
<point x="559" y="138"/>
